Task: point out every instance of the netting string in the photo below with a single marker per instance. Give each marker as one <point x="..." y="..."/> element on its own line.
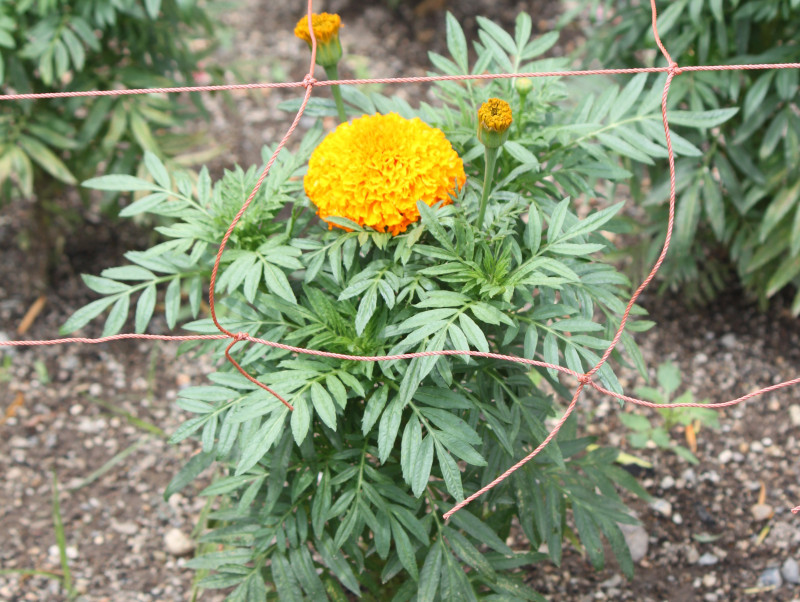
<point x="672" y="69"/>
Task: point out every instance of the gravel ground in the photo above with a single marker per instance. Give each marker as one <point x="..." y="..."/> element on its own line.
<point x="720" y="530"/>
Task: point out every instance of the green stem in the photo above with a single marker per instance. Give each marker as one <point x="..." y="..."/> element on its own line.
<point x="333" y="74"/>
<point x="488" y="176"/>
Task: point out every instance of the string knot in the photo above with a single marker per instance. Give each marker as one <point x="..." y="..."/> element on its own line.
<point x="241" y="336"/>
<point x="309" y="81"/>
<point x="584" y="379"/>
<point x="674" y="69"/>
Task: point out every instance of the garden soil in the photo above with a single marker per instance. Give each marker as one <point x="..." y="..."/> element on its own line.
<point x="96" y="417"/>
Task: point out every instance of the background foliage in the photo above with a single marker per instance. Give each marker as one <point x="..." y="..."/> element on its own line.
<point x="346" y="492"/>
<point x="65" y="45"/>
<point x="739" y="195"/>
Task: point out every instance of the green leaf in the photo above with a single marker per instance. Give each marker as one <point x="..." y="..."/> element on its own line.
<point x="482" y="532"/>
<point x="120" y="183"/>
<point x="421" y="468"/>
<point x="301" y="419"/>
<point x="188" y="473"/>
<point x="46" y="159"/>
<point x="701" y="119"/>
<point x="259" y="444"/>
<point x="457" y="43"/>
<point x="172" y="302"/>
<point x="405" y="550"/>
<point x="473" y="333"/>
<point x="117" y="316"/>
<point x="366" y="308"/>
<point x="550" y="351"/>
<point x="628" y="97"/>
<point x="786" y="272"/>
<point x="635" y="422"/>
<point x="285" y="581"/>
<point x="468" y="552"/>
<point x="145" y="307"/>
<point x="323" y="404"/>
<point x="450" y="472"/>
<point x="144" y="204"/>
<point x="86" y="314"/>
<point x="430" y="575"/>
<point x="338" y="565"/>
<point x="277" y="282"/>
<point x="784" y="201"/>
<point x="531" y="340"/>
<point x="374" y="408"/>
<point x="152" y="7"/>
<point x="157" y="170"/>
<point x="387" y="430"/>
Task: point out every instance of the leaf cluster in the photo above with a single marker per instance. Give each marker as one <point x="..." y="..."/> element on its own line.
<point x="76" y="45"/>
<point x="343" y="495"/>
<point x="740" y="195"/>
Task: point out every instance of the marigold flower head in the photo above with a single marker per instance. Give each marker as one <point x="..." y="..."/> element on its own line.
<point x="494" y="119"/>
<point x="326" y="30"/>
<point x="374" y="169"/>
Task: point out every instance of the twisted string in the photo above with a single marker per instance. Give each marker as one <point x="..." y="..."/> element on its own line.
<point x="672" y="69"/>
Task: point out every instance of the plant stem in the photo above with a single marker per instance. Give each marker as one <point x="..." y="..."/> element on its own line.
<point x="488" y="176"/>
<point x="333" y="73"/>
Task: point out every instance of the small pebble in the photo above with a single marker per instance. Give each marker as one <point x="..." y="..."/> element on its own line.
<point x="709" y="580"/>
<point x="637" y="540"/>
<point x="662" y="507"/>
<point x="762" y="511"/>
<point x="790" y="571"/>
<point x="725" y="456"/>
<point x="728" y="340"/>
<point x="667" y="482"/>
<point x="707" y="559"/>
<point x="689" y="475"/>
<point x="771" y="577"/>
<point x="178" y="543"/>
<point x="756" y="446"/>
<point x="677" y="518"/>
<point x="794" y="414"/>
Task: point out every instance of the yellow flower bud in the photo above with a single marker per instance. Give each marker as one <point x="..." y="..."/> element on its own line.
<point x="494" y="119"/>
<point x="326" y="31"/>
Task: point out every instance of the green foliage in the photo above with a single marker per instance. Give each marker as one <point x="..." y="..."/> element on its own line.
<point x="343" y="496"/>
<point x="645" y="432"/>
<point x="741" y="193"/>
<point x="75" y="45"/>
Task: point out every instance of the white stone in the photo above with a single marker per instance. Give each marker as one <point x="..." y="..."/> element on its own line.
<point x="178" y="543"/>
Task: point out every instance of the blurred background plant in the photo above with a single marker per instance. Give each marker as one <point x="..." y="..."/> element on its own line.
<point x="738" y="210"/>
<point x="70" y="45"/>
<point x="646" y="433"/>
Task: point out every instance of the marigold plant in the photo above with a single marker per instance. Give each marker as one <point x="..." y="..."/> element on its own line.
<point x="343" y="496"/>
<point x="373" y="171"/>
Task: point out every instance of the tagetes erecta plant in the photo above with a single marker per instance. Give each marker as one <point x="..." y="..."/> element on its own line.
<point x="373" y="171"/>
<point x="343" y="496"/>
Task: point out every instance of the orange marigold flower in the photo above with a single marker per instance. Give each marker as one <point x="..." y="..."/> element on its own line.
<point x="374" y="169"/>
<point x="326" y="27"/>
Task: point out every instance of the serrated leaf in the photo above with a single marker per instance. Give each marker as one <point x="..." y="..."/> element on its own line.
<point x="301" y="419"/>
<point x="172" y="302"/>
<point x="145" y="307"/>
<point x="405" y="550"/>
<point x="374" y="408"/>
<point x="456" y="42"/>
<point x="120" y="183"/>
<point x="387" y="430"/>
<point x="323" y="405"/>
<point x="117" y="316"/>
<point x="366" y="308"/>
<point x="86" y="314"/>
<point x="430" y="575"/>
<point x="259" y="444"/>
<point x="450" y="472"/>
